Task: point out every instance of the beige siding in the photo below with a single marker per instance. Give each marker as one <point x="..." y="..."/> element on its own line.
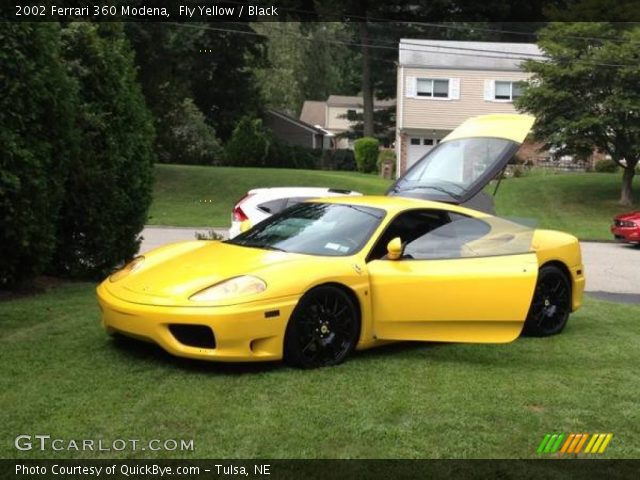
<point x="448" y="114"/>
<point x="334" y="122"/>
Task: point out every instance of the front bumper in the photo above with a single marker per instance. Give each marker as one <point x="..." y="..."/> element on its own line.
<point x="626" y="234"/>
<point x="242" y="332"/>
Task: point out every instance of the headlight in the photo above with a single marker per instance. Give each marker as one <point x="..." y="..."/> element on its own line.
<point x="130" y="267"/>
<point x="234" y="287"/>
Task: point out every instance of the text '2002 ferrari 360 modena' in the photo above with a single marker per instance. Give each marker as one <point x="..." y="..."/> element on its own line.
<point x="322" y="278"/>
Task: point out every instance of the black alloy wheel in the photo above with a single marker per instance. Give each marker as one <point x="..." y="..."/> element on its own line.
<point x="323" y="329"/>
<point x="551" y="304"/>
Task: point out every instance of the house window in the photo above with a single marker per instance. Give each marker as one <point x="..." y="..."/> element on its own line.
<point x="429" y="87"/>
<point x="508" y="90"/>
<point x="351" y="114"/>
<point x="415" y="141"/>
<point x="427" y="141"/>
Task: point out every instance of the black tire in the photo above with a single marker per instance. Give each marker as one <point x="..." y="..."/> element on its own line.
<point x="551" y="303"/>
<point x="323" y="329"/>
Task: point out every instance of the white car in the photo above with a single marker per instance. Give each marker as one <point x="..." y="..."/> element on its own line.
<point x="261" y="203"/>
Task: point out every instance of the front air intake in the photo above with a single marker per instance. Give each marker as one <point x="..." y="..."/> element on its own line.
<point x="199" y="336"/>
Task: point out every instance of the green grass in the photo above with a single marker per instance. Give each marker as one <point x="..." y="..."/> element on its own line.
<point x="204" y="196"/>
<point x="62" y="375"/>
<point x="582" y="204"/>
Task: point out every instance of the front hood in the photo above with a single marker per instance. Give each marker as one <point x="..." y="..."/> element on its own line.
<point x="169" y="276"/>
<point x="465" y="161"/>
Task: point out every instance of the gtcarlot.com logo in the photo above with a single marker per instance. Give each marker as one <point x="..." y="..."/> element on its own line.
<point x="575" y="443"/>
<point x="47" y="443"/>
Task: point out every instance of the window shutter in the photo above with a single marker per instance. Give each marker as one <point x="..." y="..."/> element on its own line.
<point x="454" y="88"/>
<point x="489" y="90"/>
<point x="410" y="88"/>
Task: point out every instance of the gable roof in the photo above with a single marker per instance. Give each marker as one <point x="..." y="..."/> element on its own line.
<point x="296" y="122"/>
<point x="313" y="112"/>
<point x="466" y="55"/>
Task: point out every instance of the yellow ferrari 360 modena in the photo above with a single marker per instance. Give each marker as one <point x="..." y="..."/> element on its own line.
<point x="324" y="277"/>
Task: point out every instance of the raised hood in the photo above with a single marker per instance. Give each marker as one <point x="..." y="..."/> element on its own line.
<point x="465" y="161"/>
<point x="170" y="275"/>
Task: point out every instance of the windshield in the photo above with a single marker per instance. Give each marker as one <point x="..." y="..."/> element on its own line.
<point x="327" y="229"/>
<point x="455" y="167"/>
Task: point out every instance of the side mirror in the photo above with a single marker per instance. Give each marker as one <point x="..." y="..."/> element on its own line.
<point x="394" y="249"/>
<point x="245" y="225"/>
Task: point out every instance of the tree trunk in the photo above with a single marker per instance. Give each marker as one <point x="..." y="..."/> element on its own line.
<point x="367" y="89"/>
<point x="626" y="197"/>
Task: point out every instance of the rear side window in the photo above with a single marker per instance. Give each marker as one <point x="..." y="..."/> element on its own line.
<point x="295" y="200"/>
<point x="273" y="206"/>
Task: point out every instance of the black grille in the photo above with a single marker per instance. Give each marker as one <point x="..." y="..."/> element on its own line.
<point x="199" y="336"/>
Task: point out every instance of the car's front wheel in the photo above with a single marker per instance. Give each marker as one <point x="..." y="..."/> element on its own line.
<point x="551" y="303"/>
<point x="323" y="329"/>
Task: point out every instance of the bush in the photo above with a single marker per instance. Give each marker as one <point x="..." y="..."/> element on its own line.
<point x="108" y="190"/>
<point x="188" y="138"/>
<point x="339" y="159"/>
<point x="249" y="144"/>
<point x="366" y="153"/>
<point x="606" y="166"/>
<point x="37" y="137"/>
<point x="283" y="155"/>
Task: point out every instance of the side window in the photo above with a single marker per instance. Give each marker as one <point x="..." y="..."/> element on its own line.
<point x="273" y="206"/>
<point x="408" y="226"/>
<point x="471" y="237"/>
<point x="448" y="241"/>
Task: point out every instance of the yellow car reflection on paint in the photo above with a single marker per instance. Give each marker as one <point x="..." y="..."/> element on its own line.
<point x="328" y="276"/>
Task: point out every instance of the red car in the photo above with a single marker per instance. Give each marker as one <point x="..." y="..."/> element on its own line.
<point x="626" y="227"/>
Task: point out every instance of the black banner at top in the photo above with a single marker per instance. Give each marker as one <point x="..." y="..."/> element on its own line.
<point x="418" y="11"/>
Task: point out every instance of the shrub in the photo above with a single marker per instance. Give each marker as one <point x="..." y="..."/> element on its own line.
<point x="339" y="159"/>
<point x="606" y="166"/>
<point x="37" y="137"/>
<point x="283" y="155"/>
<point x="249" y="144"/>
<point x="108" y="189"/>
<point x="188" y="138"/>
<point x="366" y="153"/>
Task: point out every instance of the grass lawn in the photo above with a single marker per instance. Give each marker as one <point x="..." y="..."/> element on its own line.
<point x="62" y="375"/>
<point x="582" y="204"/>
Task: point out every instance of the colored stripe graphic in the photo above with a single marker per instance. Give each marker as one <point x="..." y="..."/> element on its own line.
<point x="591" y="442"/>
<point x="582" y="440"/>
<point x="567" y="443"/>
<point x="574" y="443"/>
<point x="606" y="442"/>
<point x="555" y="448"/>
<point x="599" y="440"/>
<point x="551" y="443"/>
<point x="543" y="443"/>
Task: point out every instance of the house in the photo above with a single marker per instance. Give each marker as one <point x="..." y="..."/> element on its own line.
<point x="296" y="132"/>
<point x="442" y="83"/>
<point x="332" y="115"/>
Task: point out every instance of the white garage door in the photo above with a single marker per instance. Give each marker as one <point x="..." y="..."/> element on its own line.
<point x="418" y="148"/>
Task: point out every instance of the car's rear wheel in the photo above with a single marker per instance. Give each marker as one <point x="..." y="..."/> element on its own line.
<point x="551" y="303"/>
<point x="323" y="329"/>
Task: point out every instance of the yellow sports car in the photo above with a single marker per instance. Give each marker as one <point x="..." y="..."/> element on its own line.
<point x="328" y="276"/>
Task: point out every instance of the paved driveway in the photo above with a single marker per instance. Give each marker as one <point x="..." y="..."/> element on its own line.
<point x="612" y="269"/>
